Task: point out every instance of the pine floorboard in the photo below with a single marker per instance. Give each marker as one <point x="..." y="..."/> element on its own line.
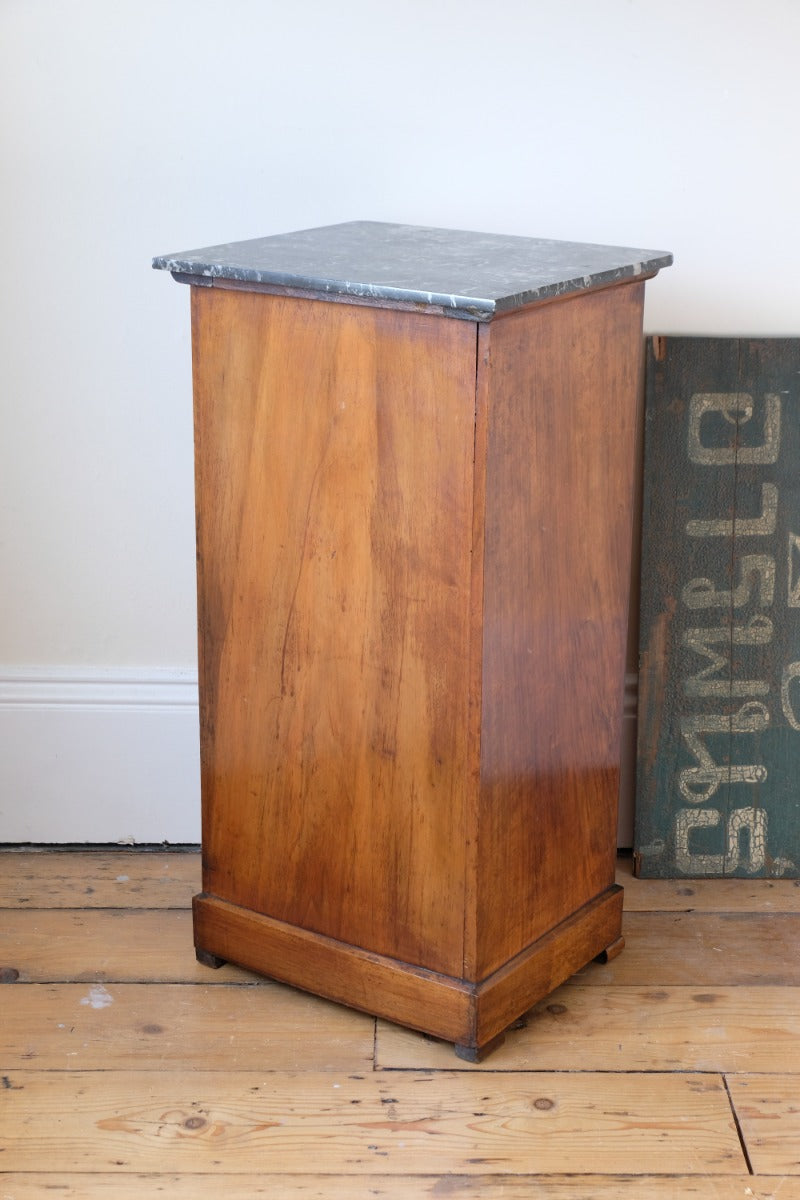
<point x="131" y="945"/>
<point x="134" y="1186"/>
<point x="126" y="1069"/>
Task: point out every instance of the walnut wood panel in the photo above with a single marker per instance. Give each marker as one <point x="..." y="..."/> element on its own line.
<point x="563" y="407"/>
<point x="334" y="485"/>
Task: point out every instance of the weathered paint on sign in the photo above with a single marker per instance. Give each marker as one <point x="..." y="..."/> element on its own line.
<point x="718" y="773"/>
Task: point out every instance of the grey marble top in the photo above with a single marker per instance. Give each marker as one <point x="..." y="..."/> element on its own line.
<point x="468" y="275"/>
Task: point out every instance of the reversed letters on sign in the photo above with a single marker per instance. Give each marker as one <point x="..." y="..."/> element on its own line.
<point x="739" y="617"/>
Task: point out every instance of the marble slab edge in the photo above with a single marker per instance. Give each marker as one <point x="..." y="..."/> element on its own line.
<point x="464" y="307"/>
<point x="400" y="266"/>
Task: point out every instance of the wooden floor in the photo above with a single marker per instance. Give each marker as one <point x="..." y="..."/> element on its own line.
<point x="129" y="1071"/>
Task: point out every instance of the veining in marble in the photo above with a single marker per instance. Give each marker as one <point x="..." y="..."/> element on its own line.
<point x="470" y="275"/>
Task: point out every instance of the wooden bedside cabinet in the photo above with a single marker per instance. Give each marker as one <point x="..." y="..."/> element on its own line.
<point x="415" y="454"/>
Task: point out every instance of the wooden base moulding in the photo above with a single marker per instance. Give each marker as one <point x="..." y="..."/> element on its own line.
<point x="472" y="1015"/>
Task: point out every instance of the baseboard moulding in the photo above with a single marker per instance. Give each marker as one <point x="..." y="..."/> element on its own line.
<point x="99" y="755"/>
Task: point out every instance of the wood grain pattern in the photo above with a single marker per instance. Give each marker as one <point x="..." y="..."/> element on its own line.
<point x="462" y="1123"/>
<point x="710" y="949"/>
<point x="708" y="895"/>
<point x="618" y="1028"/>
<point x="133" y="879"/>
<point x="769" y="1114"/>
<point x="334" y="586"/>
<point x="98" y="879"/>
<point x="106" y="1186"/>
<point x="537" y="971"/>
<point x="120" y="1026"/>
<point x="370" y="982"/>
<point x="564" y="406"/>
<point x="117" y="945"/>
<point x="465" y="1013"/>
<point x="705" y="948"/>
<point x="412" y="617"/>
<point x="618" y="1062"/>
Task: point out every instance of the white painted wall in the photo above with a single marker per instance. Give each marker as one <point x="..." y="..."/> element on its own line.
<point x="147" y="126"/>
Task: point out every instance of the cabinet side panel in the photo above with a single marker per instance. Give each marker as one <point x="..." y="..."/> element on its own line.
<point x="563" y="410"/>
<point x="334" y="489"/>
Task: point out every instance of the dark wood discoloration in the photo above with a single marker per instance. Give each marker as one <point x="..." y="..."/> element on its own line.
<point x="477" y="1054"/>
<point x="611" y="952"/>
<point x="206" y="959"/>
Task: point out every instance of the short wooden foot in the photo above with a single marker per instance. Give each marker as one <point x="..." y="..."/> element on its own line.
<point x="610" y="952"/>
<point x="476" y="1054"/>
<point x="209" y="960"/>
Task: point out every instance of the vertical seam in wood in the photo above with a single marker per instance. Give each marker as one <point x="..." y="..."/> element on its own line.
<point x="731" y="612"/>
<point x="195" y="300"/>
<point x="473" y="782"/>
<point x="633" y="651"/>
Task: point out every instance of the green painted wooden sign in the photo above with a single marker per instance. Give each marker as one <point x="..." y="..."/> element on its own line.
<point x="718" y="772"/>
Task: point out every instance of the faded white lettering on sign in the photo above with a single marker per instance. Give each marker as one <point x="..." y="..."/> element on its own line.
<point x="756" y="632"/>
<point x="701" y="593"/>
<point x="745" y="841"/>
<point x="728" y="430"/>
<point x="790" y="672"/>
<point x="793" y="565"/>
<point x="737" y="409"/>
<point x="741" y="526"/>
<point x="701" y="782"/>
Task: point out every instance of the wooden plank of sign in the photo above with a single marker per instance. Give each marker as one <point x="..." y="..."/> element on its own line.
<point x="719" y="691"/>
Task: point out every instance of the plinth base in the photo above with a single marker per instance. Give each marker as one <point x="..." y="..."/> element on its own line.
<point x="472" y="1015"/>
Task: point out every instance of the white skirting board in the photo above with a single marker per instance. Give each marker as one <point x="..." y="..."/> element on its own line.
<point x="99" y="755"/>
